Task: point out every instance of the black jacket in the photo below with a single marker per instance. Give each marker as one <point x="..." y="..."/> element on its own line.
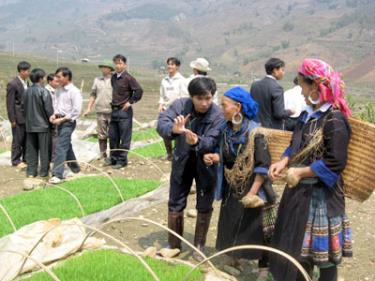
<point x="38" y="109"/>
<point x="14" y="100"/>
<point x="125" y="89"/>
<point x="270" y="97"/>
<point x="207" y="127"/>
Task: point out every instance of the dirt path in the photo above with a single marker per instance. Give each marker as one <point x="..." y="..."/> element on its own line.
<point x="360" y="268"/>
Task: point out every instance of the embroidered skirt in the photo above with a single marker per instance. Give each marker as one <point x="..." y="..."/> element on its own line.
<point x="326" y="240"/>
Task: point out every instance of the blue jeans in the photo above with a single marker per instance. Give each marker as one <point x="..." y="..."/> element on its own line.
<point x="64" y="150"/>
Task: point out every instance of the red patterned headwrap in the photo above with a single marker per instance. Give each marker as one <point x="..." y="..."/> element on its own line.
<point x="330" y="83"/>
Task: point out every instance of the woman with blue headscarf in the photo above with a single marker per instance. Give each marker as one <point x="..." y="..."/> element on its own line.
<point x="243" y="184"/>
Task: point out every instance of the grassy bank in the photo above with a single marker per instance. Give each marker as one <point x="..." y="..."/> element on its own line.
<point x="94" y="193"/>
<point x="110" y="265"/>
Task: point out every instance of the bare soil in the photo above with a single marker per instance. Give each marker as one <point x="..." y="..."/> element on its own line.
<point x="142" y="235"/>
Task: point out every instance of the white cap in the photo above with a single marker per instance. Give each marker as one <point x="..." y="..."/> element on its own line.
<point x="200" y="64"/>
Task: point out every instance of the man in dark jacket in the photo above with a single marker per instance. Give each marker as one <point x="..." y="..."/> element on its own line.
<point x="38" y="109"/>
<point x="194" y="123"/>
<point x="270" y="96"/>
<point x="14" y="100"/>
<point x="126" y="92"/>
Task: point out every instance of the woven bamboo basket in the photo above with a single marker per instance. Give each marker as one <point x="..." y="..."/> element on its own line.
<point x="359" y="174"/>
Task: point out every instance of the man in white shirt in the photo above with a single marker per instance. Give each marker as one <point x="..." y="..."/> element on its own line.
<point x="68" y="109"/>
<point x="294" y="101"/>
<point x="172" y="88"/>
<point x="52" y="85"/>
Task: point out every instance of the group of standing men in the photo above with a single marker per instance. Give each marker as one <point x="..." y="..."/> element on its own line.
<point x="43" y="120"/>
<point x="43" y="117"/>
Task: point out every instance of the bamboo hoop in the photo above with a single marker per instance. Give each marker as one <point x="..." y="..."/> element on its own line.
<point x="253" y="247"/>
<point x="99" y="170"/>
<point x="41" y="265"/>
<point x="5" y="212"/>
<point x="161" y="226"/>
<point x="94" y="229"/>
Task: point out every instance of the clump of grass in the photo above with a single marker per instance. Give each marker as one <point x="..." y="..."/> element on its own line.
<point x="95" y="194"/>
<point x="111" y="265"/>
<point x="141" y="135"/>
<point x="154" y="150"/>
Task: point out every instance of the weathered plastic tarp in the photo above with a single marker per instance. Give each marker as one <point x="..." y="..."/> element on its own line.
<point x="53" y="240"/>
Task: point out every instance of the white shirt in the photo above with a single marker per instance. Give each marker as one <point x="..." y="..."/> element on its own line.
<point x="271" y="76"/>
<point x="52" y="92"/>
<point x="172" y="88"/>
<point x="310" y="111"/>
<point x="294" y="100"/>
<point x="69" y="101"/>
<point x="24" y="84"/>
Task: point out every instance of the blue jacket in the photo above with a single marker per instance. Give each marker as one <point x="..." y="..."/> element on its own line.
<point x="207" y="127"/>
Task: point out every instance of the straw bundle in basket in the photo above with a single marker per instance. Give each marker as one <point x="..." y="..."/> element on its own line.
<point x="359" y="174"/>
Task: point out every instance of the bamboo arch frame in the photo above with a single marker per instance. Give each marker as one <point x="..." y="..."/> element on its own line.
<point x="94" y="229"/>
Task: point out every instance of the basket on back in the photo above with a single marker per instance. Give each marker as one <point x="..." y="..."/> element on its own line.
<point x="359" y="174"/>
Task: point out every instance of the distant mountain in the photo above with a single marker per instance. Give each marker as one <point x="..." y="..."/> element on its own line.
<point x="237" y="36"/>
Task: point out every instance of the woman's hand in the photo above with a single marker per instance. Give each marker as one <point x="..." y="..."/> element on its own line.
<point x="275" y="171"/>
<point x="211" y="158"/>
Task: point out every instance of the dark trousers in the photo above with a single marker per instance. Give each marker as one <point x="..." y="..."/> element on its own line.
<point x="120" y="135"/>
<point x="180" y="188"/>
<point x="53" y="135"/>
<point x="64" y="150"/>
<point x="38" y="147"/>
<point x="18" y="144"/>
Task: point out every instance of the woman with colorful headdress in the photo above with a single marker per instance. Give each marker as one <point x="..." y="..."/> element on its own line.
<point x="311" y="224"/>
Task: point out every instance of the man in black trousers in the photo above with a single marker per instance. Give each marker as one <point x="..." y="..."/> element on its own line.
<point x="270" y="96"/>
<point x="14" y="101"/>
<point x="38" y="109"/>
<point x="195" y="124"/>
<point x="126" y="92"/>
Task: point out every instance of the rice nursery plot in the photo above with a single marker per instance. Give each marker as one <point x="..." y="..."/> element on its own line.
<point x="95" y="194"/>
<point x="154" y="150"/>
<point x="111" y="265"/>
<point x="141" y="135"/>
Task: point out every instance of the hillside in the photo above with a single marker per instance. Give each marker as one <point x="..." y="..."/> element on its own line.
<point x="236" y="35"/>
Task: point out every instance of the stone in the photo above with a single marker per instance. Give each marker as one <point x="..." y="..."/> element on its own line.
<point x="150" y="252"/>
<point x="231" y="270"/>
<point x="219" y="276"/>
<point x="192" y="213"/>
<point x="169" y="253"/>
<point x="33" y="183"/>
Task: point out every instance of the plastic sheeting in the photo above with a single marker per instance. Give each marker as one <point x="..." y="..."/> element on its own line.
<point x="53" y="240"/>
